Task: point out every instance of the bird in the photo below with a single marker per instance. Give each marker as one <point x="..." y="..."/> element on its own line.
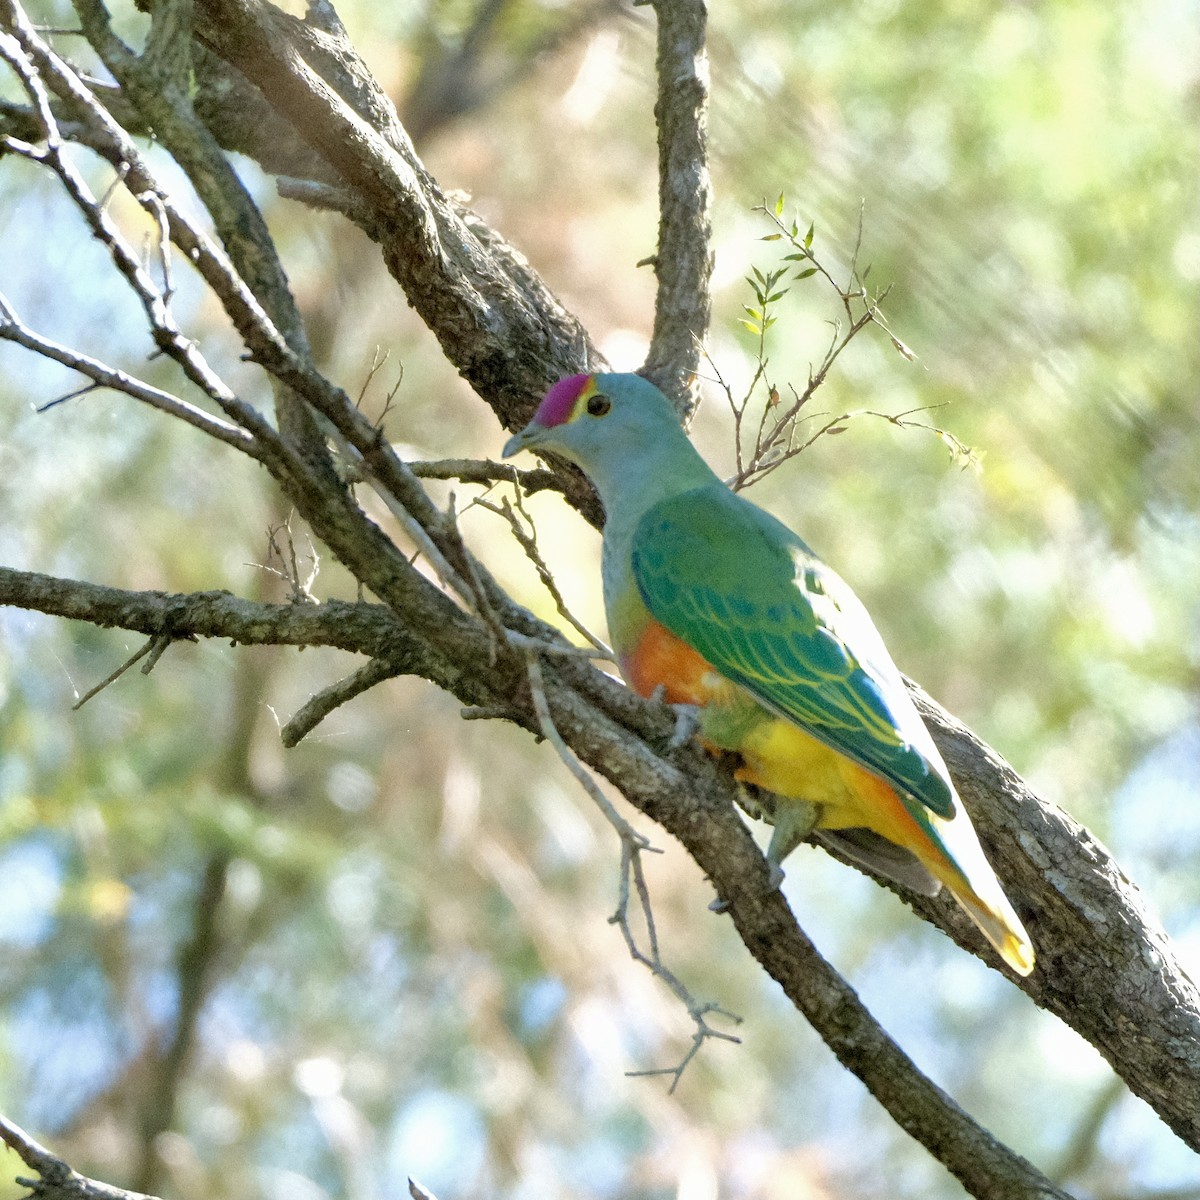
<point x="720" y="609"/>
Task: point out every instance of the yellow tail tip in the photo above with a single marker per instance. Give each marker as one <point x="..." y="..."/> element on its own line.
<point x="1000" y="925"/>
<point x="1018" y="953"/>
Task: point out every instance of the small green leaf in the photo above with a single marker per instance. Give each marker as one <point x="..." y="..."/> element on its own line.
<point x="808" y="237"/>
<point x="807" y="273"/>
<point x="754" y="328"/>
<point x="779" y="206"/>
<point x="771" y="237"/>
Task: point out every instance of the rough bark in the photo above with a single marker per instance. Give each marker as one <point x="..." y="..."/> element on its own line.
<point x="1104" y="967"/>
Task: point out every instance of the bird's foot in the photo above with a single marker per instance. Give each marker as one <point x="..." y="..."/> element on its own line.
<point x="687" y="724"/>
<point x="794" y="820"/>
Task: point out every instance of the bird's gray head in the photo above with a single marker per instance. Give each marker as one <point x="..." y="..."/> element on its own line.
<point x="599" y="421"/>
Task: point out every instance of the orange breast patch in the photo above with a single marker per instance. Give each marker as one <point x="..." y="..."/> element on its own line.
<point x="660" y="659"/>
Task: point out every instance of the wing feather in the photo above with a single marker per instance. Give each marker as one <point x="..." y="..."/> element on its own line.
<point x="750" y="596"/>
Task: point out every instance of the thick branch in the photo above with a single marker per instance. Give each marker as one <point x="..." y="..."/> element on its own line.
<point x="691" y="799"/>
<point x="1105" y="965"/>
<point x="683" y="264"/>
<point x="495" y="320"/>
<point x="608" y="727"/>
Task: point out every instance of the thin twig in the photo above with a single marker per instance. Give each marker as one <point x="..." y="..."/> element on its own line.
<point x="136" y="656"/>
<point x="318" y="707"/>
<point x="564" y="649"/>
<point x="526" y="536"/>
<point x="30" y="58"/>
<point x="301" y="589"/>
<point x="776" y="437"/>
<point x="550" y="732"/>
<point x="481" y="600"/>
<point x="633" y="845"/>
<point x="633" y="871"/>
<point x="104" y="376"/>
<point x="483" y="470"/>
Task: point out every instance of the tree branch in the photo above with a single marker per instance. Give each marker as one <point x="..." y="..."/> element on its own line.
<point x="56" y="1180"/>
<point x="496" y="321"/>
<point x="616" y="732"/>
<point x="316" y="709"/>
<point x="683" y="263"/>
<point x="158" y="84"/>
<point x="510" y="338"/>
<point x="1105" y="965"/>
<point x="12" y="329"/>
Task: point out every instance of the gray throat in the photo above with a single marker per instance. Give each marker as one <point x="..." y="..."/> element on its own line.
<point x="629" y="490"/>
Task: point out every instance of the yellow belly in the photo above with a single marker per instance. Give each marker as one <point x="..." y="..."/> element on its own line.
<point x="777" y="755"/>
<point x="785" y="760"/>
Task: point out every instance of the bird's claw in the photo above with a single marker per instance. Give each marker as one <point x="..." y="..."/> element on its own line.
<point x="687" y="723"/>
<point x="793" y="822"/>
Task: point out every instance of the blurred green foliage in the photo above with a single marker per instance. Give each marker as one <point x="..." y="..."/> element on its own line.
<point x="413" y="972"/>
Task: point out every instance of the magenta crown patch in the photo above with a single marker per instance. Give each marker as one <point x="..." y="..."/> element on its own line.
<point x="560" y="400"/>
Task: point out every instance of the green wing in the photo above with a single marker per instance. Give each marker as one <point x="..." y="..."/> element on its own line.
<point x="749" y="595"/>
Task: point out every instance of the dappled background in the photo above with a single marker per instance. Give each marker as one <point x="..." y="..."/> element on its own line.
<point x="386" y="952"/>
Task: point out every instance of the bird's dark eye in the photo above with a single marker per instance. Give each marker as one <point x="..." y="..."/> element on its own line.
<point x="597" y="406"/>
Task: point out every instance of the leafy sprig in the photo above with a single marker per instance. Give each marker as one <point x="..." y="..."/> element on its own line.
<point x="769" y="428"/>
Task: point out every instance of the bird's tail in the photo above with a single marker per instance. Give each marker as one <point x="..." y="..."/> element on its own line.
<point x="995" y="917"/>
<point x="948" y="849"/>
<point x="979" y="895"/>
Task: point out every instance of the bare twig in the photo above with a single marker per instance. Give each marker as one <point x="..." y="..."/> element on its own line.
<point x="525" y="532"/>
<point x="300" y="588"/>
<point x="156" y="643"/>
<point x="481" y="593"/>
<point x="633" y="872"/>
<point x="633" y="846"/>
<point x="561" y="648"/>
<point x="316" y="709"/>
<point x="476" y="470"/>
<point x="549" y="731"/>
<point x="104" y="376"/>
